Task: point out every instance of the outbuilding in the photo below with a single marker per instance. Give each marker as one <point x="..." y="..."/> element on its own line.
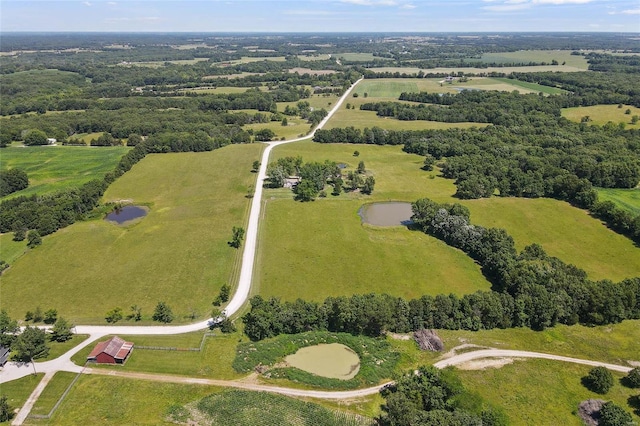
<point x="112" y="351"/>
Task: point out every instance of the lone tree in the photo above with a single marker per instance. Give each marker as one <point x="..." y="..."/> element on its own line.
<point x="113" y="315"/>
<point x="306" y="190"/>
<point x="223" y="296"/>
<point x="368" y="186"/>
<point x="361" y="168"/>
<point x="633" y="378"/>
<point x="50" y="316"/>
<point x="237" y="236"/>
<point x="255" y="166"/>
<point x="30" y="344"/>
<point x="162" y="313"/>
<point x="6" y="412"/>
<point x="614" y="415"/>
<point x="599" y="380"/>
<point x="61" y="330"/>
<point x="36" y="137"/>
<point x="34" y="239"/>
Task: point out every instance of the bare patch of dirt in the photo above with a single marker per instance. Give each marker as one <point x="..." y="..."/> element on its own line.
<point x="633" y="363"/>
<point x="482" y="364"/>
<point x="399" y="336"/>
<point x="465" y="347"/>
<point x="589" y="411"/>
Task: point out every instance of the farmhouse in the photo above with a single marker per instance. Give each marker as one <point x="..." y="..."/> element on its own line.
<point x="112" y="351"/>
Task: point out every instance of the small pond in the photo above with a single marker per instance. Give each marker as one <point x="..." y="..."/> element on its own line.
<point x="332" y="360"/>
<point x="126" y="213"/>
<point x="386" y="214"/>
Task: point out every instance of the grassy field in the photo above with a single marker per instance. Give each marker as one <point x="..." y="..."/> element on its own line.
<point x="540" y="392"/>
<point x="484" y="71"/>
<point x="178" y="253"/>
<point x="116" y="401"/>
<point x="11" y="250"/>
<point x="532" y="87"/>
<point x="358" y="258"/>
<point x="295" y="127"/>
<point x="348" y="257"/>
<point x="524" y="56"/>
<point x="602" y="114"/>
<point x="316" y="57"/>
<point x="563" y="231"/>
<point x="158" y="64"/>
<point x="56" y="349"/>
<point x="214" y="361"/>
<point x="628" y="199"/>
<point x="355" y="56"/>
<point x="51" y="168"/>
<point x="17" y="391"/>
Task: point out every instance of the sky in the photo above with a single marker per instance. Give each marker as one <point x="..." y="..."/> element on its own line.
<point x="321" y="15"/>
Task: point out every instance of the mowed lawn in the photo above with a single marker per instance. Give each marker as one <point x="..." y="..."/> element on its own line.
<point x="602" y="114"/>
<point x="319" y="249"/>
<point x="628" y="199"/>
<point x="541" y="392"/>
<point x="51" y="168"/>
<point x="178" y="253"/>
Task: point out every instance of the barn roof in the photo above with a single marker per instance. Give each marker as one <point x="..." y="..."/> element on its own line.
<point x="115" y="347"/>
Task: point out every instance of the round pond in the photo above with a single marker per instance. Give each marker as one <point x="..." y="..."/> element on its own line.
<point x="125" y="214"/>
<point x="386" y="214"/>
<point x="331" y="360"/>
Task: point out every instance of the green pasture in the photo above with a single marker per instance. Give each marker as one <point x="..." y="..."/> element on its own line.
<point x="214" y="361"/>
<point x="249" y="59"/>
<point x="602" y="114"/>
<point x="57" y="349"/>
<point x="525" y="56"/>
<point x="628" y="199"/>
<point x="357" y="56"/>
<point x="104" y="400"/>
<point x="11" y="250"/>
<point x="295" y="127"/>
<point x="316" y="57"/>
<point x="52" y="168"/>
<point x="483" y="71"/>
<point x="319" y="249"/>
<point x="17" y="391"/>
<point x="158" y="64"/>
<point x="564" y="231"/>
<point x="220" y="90"/>
<point x="540" y="392"/>
<point x="315" y="102"/>
<point x="178" y="253"/>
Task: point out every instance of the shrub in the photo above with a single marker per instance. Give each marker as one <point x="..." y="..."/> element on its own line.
<point x="599" y="380"/>
<point x="633" y="378"/>
<point x="163" y="313"/>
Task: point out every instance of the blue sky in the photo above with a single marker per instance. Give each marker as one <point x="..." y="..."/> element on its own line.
<point x="322" y="15"/>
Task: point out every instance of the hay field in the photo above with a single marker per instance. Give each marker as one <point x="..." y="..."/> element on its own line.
<point x="178" y="253"/>
<point x="475" y="70"/>
<point x="628" y="199"/>
<point x="602" y="114"/>
<point x="577" y="61"/>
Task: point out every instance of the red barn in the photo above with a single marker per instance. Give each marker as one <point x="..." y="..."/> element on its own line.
<point x="112" y="351"/>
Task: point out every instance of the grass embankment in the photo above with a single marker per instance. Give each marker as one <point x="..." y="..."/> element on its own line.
<point x="377" y="359"/>
<point x="214" y="361"/>
<point x="178" y="253"/>
<point x="11" y="250"/>
<point x="628" y="199"/>
<point x="540" y="391"/>
<point x="319" y="249"/>
<point x="236" y="407"/>
<point x="52" y="168"/>
<point x="602" y="114"/>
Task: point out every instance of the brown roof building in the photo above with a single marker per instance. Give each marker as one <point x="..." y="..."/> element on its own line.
<point x="112" y="351"/>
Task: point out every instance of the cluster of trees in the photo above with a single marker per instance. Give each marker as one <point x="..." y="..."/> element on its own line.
<point x="12" y="180"/>
<point x="161" y="313"/>
<point x="530" y="289"/>
<point x="556" y="159"/>
<point x="428" y="396"/>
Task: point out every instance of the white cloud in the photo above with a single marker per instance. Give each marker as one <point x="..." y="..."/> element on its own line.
<point x="408" y="6"/>
<point x="86" y="3"/>
<point x="631" y="12"/>
<point x="112" y="3"/>
<point x="304" y="12"/>
<point x="562" y="1"/>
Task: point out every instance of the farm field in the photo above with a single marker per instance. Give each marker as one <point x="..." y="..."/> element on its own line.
<point x="220" y="90"/>
<point x="602" y="114"/>
<point x="249" y="59"/>
<point x="11" y="250"/>
<point x="532" y="87"/>
<point x="347" y="257"/>
<point x="158" y="64"/>
<point x="628" y="199"/>
<point x="295" y="127"/>
<point x="357" y="56"/>
<point x="474" y="70"/>
<point x="540" y="391"/>
<point x="577" y="61"/>
<point x="52" y="393"/>
<point x="52" y="168"/>
<point x="178" y="253"/>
